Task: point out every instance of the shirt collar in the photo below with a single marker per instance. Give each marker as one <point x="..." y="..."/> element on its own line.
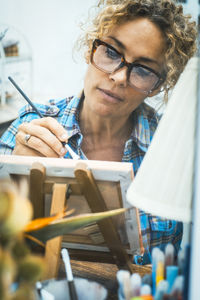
<point x="69" y="119"/>
<point x="141" y="133"/>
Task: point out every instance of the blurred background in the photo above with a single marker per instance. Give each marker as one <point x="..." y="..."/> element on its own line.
<point x="44" y="32"/>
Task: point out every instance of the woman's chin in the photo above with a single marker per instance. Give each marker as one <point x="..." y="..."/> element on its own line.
<point x="104" y="111"/>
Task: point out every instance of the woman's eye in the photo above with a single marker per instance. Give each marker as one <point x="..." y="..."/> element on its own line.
<point x="112" y="53"/>
<point x="140" y="71"/>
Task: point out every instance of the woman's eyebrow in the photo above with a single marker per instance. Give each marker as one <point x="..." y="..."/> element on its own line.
<point x="142" y="58"/>
<point x="148" y="60"/>
<point x="119" y="44"/>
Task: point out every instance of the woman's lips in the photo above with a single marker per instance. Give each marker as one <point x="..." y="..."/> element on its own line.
<point x="109" y="96"/>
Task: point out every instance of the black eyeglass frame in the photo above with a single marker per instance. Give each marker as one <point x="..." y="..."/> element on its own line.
<point x="161" y="78"/>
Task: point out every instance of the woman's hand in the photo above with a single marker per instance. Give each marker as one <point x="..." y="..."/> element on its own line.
<point x="44" y="138"/>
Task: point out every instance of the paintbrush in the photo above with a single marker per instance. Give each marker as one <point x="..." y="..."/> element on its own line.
<point x="43" y="293"/>
<point x="71" y="152"/>
<point x="68" y="270"/>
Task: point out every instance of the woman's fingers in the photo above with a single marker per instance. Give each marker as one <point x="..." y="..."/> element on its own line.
<point x="40" y="136"/>
<point x="22" y="149"/>
<point x="52" y="125"/>
<point x="35" y="144"/>
<point x="43" y="136"/>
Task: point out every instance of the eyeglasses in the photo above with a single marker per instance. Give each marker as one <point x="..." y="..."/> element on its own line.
<point x="107" y="59"/>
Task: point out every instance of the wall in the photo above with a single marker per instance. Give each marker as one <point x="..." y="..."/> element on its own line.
<point x="51" y="27"/>
<point x="192" y="7"/>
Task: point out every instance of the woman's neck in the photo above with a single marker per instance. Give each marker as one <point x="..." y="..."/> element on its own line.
<point x="101" y="128"/>
<point x="104" y="137"/>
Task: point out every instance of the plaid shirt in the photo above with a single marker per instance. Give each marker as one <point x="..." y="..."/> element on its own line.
<point x="156" y="231"/>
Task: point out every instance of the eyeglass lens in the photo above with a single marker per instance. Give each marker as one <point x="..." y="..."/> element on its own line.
<point x="109" y="60"/>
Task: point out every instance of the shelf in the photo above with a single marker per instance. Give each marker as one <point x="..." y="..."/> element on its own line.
<point x="22" y="55"/>
<point x="21" y="58"/>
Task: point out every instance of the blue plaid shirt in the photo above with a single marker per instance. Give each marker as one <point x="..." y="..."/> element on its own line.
<point x="156" y="231"/>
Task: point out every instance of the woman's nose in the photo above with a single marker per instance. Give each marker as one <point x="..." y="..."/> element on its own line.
<point x="119" y="76"/>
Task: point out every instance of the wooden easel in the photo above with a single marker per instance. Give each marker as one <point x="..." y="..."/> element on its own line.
<point x="85" y="185"/>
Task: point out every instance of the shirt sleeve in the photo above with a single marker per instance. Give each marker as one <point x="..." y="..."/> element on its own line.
<point x="26" y="114"/>
<point x="7" y="141"/>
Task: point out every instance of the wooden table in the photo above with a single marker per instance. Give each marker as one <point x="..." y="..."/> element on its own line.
<point x="103" y="273"/>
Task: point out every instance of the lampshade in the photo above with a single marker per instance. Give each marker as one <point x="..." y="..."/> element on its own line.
<point x="163" y="184"/>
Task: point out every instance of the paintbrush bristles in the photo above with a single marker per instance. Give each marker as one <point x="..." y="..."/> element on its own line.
<point x="66" y="260"/>
<point x="169" y="255"/>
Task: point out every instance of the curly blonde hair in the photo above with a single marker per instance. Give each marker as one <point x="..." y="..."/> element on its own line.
<point x="179" y="31"/>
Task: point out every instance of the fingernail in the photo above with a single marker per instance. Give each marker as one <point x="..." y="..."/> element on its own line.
<point x="64" y="137"/>
<point x="63" y="151"/>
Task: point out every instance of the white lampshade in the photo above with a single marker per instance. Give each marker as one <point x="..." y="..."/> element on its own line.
<point x="164" y="183"/>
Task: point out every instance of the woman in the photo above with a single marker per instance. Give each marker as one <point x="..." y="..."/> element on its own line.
<point x="135" y="49"/>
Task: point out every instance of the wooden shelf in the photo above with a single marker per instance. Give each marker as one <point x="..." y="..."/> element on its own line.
<point x="20" y="58"/>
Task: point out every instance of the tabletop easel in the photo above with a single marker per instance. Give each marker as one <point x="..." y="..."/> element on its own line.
<point x="87" y="186"/>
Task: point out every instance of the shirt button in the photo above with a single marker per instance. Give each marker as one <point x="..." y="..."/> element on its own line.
<point x="51" y="110"/>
